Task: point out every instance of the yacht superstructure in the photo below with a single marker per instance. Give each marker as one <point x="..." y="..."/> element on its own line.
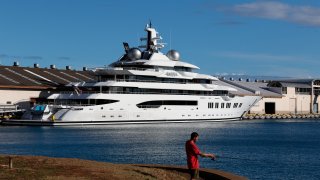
<point x="144" y="86"/>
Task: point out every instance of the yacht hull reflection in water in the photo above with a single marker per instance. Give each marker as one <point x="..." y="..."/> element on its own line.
<point x="143" y="86"/>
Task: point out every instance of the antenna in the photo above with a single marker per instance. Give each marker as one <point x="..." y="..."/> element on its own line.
<point x="170" y="38"/>
<point x="138" y="37"/>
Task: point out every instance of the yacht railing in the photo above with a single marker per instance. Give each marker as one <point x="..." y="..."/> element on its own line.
<point x="136" y="69"/>
<point x="140" y="69"/>
<point x="124" y="68"/>
<point x="8" y="108"/>
<point x="137" y="80"/>
<point x="126" y="92"/>
<point x="155" y="81"/>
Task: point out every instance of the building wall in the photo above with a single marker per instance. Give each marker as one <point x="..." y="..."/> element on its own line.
<point x="19" y="97"/>
<point x="290" y="103"/>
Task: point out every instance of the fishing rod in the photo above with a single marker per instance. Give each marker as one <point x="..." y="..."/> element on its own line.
<point x="236" y="158"/>
<point x="229" y="157"/>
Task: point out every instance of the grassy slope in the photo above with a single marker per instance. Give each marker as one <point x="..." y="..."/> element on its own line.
<point x="38" y="167"/>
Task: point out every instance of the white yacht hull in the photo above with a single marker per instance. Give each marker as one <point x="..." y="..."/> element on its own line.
<point x="126" y="111"/>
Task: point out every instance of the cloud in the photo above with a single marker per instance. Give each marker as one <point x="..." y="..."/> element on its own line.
<point x="270" y="64"/>
<point x="288" y="71"/>
<point x="33" y="57"/>
<point x="257" y="56"/>
<point x="305" y="15"/>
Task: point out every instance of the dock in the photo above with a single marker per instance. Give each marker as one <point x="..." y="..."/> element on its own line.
<point x="8" y="111"/>
<point x="281" y="116"/>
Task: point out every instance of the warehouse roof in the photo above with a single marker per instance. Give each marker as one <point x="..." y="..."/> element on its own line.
<point x="39" y="78"/>
<point x="254" y="88"/>
<point x="299" y="83"/>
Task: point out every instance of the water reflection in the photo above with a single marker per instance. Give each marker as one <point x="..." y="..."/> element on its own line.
<point x="256" y="149"/>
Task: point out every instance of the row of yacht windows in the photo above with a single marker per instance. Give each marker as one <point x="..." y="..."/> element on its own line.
<point x="165" y="91"/>
<point x="155" y="68"/>
<point x="76" y="102"/>
<point x="132" y="78"/>
<point x="212" y="105"/>
<point x="134" y="90"/>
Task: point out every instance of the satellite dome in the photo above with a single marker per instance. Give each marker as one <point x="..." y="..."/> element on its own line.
<point x="134" y="53"/>
<point x="173" y="55"/>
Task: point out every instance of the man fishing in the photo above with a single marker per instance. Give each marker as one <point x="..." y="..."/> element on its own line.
<point x="192" y="152"/>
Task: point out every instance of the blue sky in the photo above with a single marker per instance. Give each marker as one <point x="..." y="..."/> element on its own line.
<point x="278" y="38"/>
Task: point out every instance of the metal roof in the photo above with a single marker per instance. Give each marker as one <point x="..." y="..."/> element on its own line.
<point x="298" y="85"/>
<point x="39" y="78"/>
<point x="254" y="88"/>
<point x="306" y="81"/>
<point x="239" y="91"/>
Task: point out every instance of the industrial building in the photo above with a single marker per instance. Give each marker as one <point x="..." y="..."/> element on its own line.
<point x="299" y="96"/>
<point x="292" y="96"/>
<point x="21" y="86"/>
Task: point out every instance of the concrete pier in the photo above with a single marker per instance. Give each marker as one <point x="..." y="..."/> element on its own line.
<point x="281" y="116"/>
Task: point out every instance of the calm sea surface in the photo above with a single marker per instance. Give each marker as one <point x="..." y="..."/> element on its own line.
<point x="257" y="149"/>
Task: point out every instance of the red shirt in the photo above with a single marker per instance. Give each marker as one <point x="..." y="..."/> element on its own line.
<point x="192" y="154"/>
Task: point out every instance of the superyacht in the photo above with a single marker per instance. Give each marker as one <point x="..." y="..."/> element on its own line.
<point x="142" y="86"/>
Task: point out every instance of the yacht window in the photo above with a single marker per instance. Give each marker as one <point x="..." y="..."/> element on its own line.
<point x="220" y="92"/>
<point x="210" y="105"/>
<point x="105" y="101"/>
<point x="77" y="109"/>
<point x="83" y="102"/>
<point x="228" y="105"/>
<point x="235" y="105"/>
<point x="156" y="104"/>
<point x="222" y="105"/>
<point x="240" y="105"/>
<point x="181" y="68"/>
<point x="217" y="105"/>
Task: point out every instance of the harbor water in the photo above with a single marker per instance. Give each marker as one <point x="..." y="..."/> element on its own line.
<point x="257" y="149"/>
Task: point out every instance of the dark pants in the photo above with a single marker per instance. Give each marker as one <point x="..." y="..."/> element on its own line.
<point x="194" y="173"/>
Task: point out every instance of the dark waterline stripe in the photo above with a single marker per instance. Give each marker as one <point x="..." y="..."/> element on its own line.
<point x="75" y="123"/>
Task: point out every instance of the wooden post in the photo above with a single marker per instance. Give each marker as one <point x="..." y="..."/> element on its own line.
<point x="10" y="162"/>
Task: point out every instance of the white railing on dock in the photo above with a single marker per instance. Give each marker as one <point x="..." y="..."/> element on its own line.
<point x="9" y="108"/>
